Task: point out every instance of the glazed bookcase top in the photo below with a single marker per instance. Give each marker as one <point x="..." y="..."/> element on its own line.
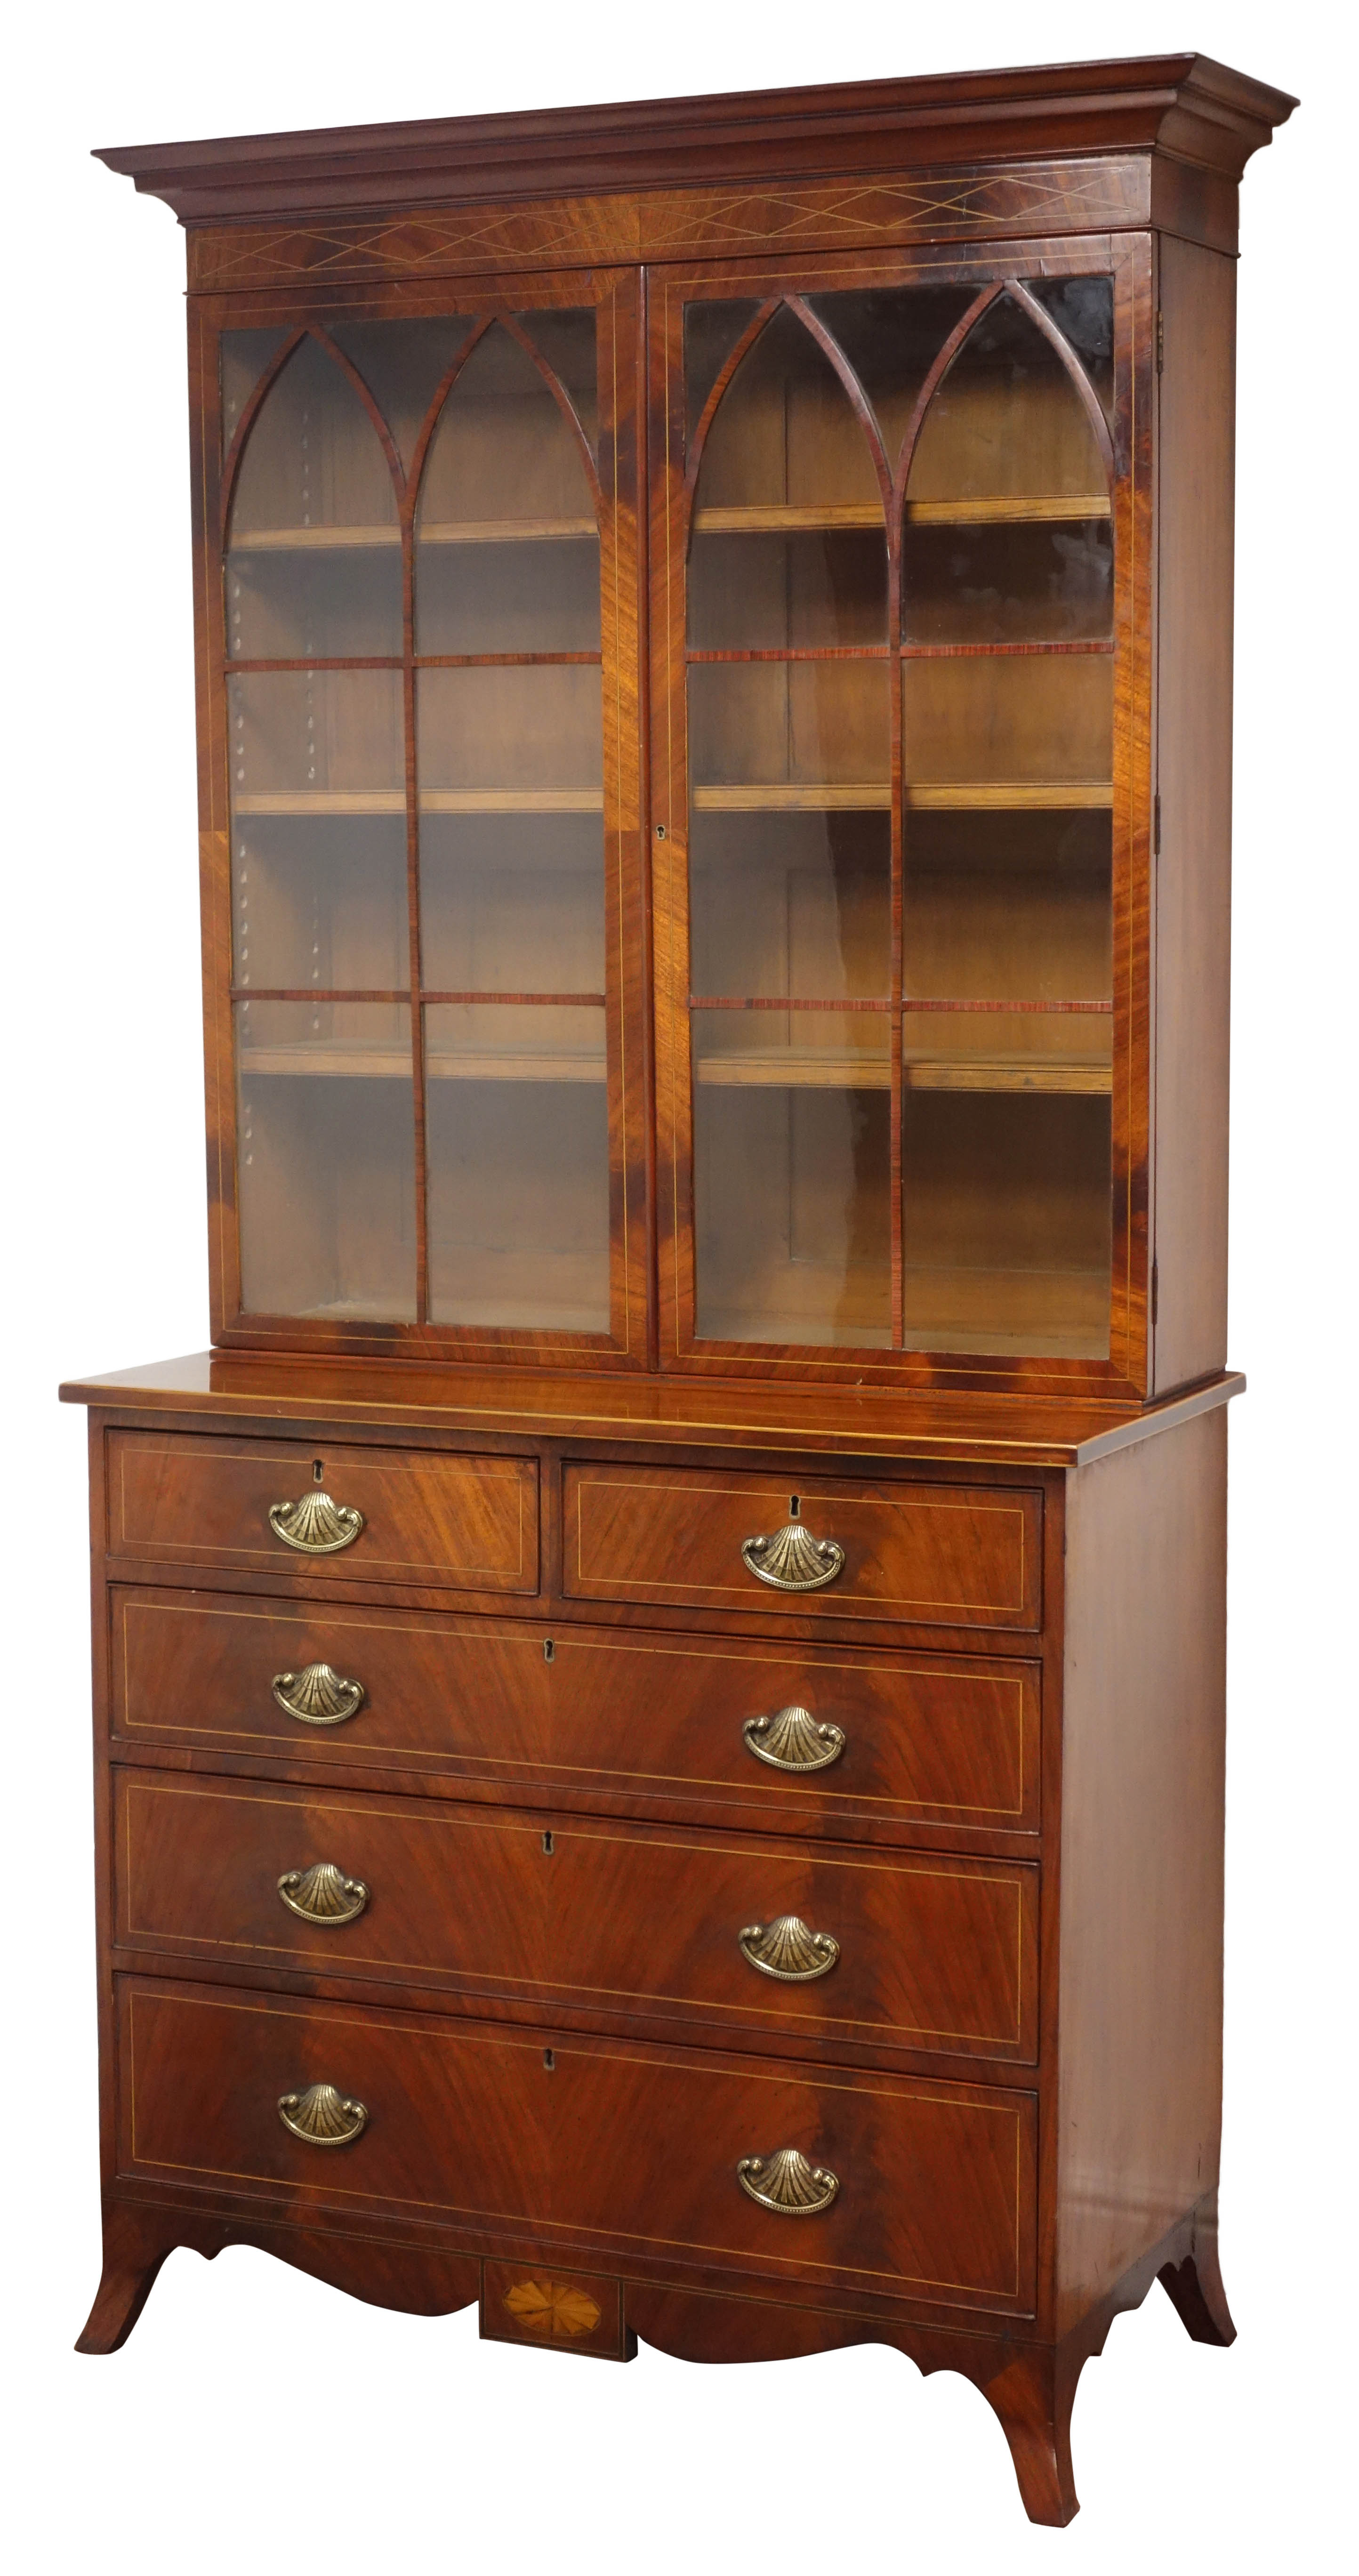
<point x="688" y="653"/>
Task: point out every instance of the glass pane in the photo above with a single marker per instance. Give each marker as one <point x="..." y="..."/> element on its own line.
<point x="790" y="729"/>
<point x="1007" y="1223"/>
<point x="517" y="1132"/>
<point x="891" y="336"/>
<point x="785" y="435"/>
<point x="795" y="904"/>
<point x="401" y="363"/>
<point x="759" y="592"/>
<point x="1006" y="423"/>
<point x="1083" y="310"/>
<point x="1025" y="583"/>
<point x="1024" y="718"/>
<point x="316" y="742"/>
<point x="792" y="1194"/>
<point x="512" y="903"/>
<point x="326" y="1160"/>
<point x="320" y="901"/>
<point x="507" y="553"/>
<point x="314" y="555"/>
<point x="566" y="339"/>
<point x="510" y="740"/>
<point x="711" y="332"/>
<point x="242" y="358"/>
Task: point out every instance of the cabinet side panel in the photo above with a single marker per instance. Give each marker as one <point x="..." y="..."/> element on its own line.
<point x="1140" y="1976"/>
<point x="1193" y="876"/>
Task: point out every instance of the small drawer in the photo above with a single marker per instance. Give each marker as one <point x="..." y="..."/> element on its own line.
<point x="950" y="1555"/>
<point x="371" y="1515"/>
<point x="822" y="1736"/>
<point x="880" y="2182"/>
<point x="927" y="1954"/>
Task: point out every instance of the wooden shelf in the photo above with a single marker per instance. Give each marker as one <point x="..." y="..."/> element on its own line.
<point x="983" y="509"/>
<point x="814" y="1069"/>
<point x="1007" y="509"/>
<point x="318" y="801"/>
<point x="1013" y="795"/>
<point x="1006" y="1073"/>
<point x="512" y="800"/>
<point x="300" y="541"/>
<point x="380" y="1064"/>
<point x="502" y="532"/>
<point x="787" y="517"/>
<point x="782" y="798"/>
<point x="323" y="800"/>
<point x="807" y="1069"/>
<point x="434" y="532"/>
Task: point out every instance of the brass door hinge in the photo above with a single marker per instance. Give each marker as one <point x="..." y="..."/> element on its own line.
<point x="1155" y="1292"/>
<point x="1160" y="340"/>
<point x="1156" y="827"/>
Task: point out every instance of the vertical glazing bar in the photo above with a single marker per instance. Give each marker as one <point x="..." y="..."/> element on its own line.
<point x="408" y="505"/>
<point x="896" y="524"/>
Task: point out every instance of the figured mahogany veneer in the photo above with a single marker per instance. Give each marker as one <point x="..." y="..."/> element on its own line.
<point x="950" y="1557"/>
<point x="467" y="1522"/>
<point x="934" y="1954"/>
<point x="936" y="1742"/>
<point x="615" y="2147"/>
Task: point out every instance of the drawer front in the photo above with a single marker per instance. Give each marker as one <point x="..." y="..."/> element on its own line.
<point x="589" y="2141"/>
<point x="898" y="1739"/>
<point x="952" y="1555"/>
<point x="426" y="1518"/>
<point x="923" y="1954"/>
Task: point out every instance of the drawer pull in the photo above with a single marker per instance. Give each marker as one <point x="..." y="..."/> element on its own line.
<point x="322" y="1894"/>
<point x="321" y="2117"/>
<point x="791" y="1740"/>
<point x="793" y="1561"/>
<point x="787" y="2184"/>
<point x="315" y="1526"/>
<point x="318" y="1695"/>
<point x="786" y="1949"/>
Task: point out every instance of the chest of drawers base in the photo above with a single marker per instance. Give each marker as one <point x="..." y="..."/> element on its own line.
<point x="509" y="1895"/>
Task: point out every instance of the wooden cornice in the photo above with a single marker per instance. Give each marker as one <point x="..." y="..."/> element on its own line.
<point x="1182" y="106"/>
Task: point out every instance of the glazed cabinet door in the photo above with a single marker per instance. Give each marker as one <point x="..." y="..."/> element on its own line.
<point x="418" y="631"/>
<point x="897" y="607"/>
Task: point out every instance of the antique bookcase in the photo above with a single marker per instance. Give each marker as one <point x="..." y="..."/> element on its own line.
<point x="660" y="1689"/>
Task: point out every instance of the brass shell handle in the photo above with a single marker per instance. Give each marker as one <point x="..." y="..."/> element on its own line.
<point x="786" y="1949"/>
<point x="792" y="1740"/>
<point x="315" y="1526"/>
<point x="786" y="2184"/>
<point x="321" y="2117"/>
<point x="317" y="1695"/>
<point x="322" y="1894"/>
<point x="792" y="1560"/>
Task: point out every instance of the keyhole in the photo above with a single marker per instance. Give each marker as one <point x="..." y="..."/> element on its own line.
<point x="549" y="1650"/>
<point x="318" y="1470"/>
<point x="794" y="1507"/>
<point x="547" y="1845"/>
<point x="549" y="2060"/>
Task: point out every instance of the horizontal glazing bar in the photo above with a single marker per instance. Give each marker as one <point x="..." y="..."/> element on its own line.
<point x="980" y="652"/>
<point x="320" y="662"/>
<point x="793" y="653"/>
<point x="779" y="1002"/>
<point x="1101" y="1009"/>
<point x="498" y="661"/>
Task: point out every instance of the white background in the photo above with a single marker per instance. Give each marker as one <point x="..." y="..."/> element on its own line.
<point x="256" y="2415"/>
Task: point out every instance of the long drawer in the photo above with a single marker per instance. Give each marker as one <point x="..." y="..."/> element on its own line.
<point x="789" y="1736"/>
<point x="373" y="1515"/>
<point x="923" y="1953"/>
<point x="945" y="1555"/>
<point x="585" y="2142"/>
